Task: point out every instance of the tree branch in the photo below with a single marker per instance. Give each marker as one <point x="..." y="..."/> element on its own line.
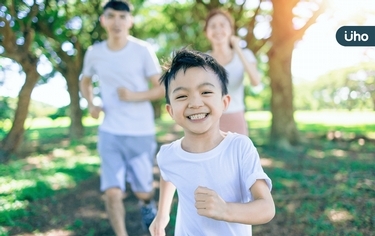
<point x="250" y="38"/>
<point x="9" y="39"/>
<point x="28" y="31"/>
<point x="251" y="24"/>
<point x="299" y="34"/>
<point x="260" y="44"/>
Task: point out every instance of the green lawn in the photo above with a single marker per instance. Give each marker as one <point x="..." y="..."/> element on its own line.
<point x="325" y="186"/>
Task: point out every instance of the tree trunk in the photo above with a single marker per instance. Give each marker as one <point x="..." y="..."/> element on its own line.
<point x="283" y="127"/>
<point x="71" y="76"/>
<point x="12" y="141"/>
<point x="284" y="131"/>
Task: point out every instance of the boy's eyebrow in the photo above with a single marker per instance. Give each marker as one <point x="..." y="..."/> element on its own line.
<point x="199" y="86"/>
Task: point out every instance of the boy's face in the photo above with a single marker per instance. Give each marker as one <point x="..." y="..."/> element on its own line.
<point x="116" y="23"/>
<point x="196" y="101"/>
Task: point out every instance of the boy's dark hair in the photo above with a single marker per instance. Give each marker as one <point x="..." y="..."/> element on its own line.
<point x="184" y="59"/>
<point x="118" y="5"/>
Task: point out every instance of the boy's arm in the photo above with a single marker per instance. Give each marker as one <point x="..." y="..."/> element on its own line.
<point x="154" y="93"/>
<point x="259" y="211"/>
<point x="86" y="88"/>
<point x="166" y="193"/>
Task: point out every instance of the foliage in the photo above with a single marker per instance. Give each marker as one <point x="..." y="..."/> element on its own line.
<point x="345" y="88"/>
<point x="6" y="111"/>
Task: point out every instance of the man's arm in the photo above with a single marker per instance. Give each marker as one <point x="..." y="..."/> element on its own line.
<point x="86" y="88"/>
<point x="259" y="211"/>
<point x="154" y="93"/>
<point x="167" y="190"/>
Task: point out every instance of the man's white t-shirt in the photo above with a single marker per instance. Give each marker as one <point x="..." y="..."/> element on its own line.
<point x="230" y="169"/>
<point x="129" y="67"/>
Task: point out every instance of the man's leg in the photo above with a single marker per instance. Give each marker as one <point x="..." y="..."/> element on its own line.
<point x="112" y="181"/>
<point x="145" y="197"/>
<point x="116" y="210"/>
<point x="148" y="208"/>
<point x="140" y="175"/>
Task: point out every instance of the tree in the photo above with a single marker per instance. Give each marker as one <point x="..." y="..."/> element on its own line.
<point x="68" y="29"/>
<point x="283" y="37"/>
<point x="17" y="40"/>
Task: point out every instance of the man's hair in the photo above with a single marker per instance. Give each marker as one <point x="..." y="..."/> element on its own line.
<point x="118" y="5"/>
<point x="184" y="59"/>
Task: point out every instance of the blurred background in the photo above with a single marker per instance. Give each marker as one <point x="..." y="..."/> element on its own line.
<point x="312" y="119"/>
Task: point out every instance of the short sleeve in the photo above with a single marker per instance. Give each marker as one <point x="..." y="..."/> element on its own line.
<point x="251" y="168"/>
<point x="159" y="161"/>
<point x="152" y="66"/>
<point x="87" y="69"/>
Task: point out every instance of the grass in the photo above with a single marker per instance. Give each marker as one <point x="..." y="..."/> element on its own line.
<point x="323" y="187"/>
<point x="53" y="165"/>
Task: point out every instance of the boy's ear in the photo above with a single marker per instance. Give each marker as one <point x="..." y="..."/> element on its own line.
<point x="169" y="109"/>
<point x="226" y="101"/>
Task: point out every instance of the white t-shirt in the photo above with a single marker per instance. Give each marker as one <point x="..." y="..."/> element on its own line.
<point x="129" y="67"/>
<point x="236" y="74"/>
<point x="230" y="169"/>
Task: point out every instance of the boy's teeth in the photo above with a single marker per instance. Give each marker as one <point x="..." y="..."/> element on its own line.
<point x="197" y="116"/>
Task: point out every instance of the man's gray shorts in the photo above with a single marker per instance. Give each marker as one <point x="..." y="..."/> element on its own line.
<point x="126" y="159"/>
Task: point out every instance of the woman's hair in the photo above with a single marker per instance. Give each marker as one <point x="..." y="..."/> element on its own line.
<point x="218" y="11"/>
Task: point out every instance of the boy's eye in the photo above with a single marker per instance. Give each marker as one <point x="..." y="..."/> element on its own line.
<point x="207" y="92"/>
<point x="181" y="96"/>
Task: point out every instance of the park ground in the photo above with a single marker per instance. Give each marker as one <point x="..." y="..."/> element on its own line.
<point x="325" y="186"/>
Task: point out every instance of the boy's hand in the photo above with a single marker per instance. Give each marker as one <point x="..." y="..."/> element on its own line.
<point x="209" y="203"/>
<point x="125" y="94"/>
<point x="157" y="227"/>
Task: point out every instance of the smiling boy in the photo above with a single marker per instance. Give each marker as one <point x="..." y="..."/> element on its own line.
<point x="222" y="188"/>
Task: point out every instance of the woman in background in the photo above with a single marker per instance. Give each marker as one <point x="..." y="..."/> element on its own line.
<point x="219" y="30"/>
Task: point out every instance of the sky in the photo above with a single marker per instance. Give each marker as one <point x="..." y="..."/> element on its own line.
<point x="319" y="52"/>
<point x="316" y="54"/>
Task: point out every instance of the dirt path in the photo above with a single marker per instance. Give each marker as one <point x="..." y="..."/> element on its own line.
<point x="78" y="212"/>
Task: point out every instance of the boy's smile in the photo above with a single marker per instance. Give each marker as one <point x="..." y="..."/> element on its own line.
<point x="196" y="101"/>
<point x="198" y="116"/>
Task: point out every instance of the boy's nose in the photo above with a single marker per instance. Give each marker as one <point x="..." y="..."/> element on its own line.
<point x="195" y="102"/>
